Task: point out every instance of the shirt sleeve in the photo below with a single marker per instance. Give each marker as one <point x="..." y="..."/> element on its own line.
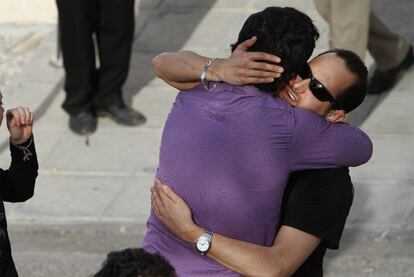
<point x="317" y="143"/>
<point x="17" y="183"/>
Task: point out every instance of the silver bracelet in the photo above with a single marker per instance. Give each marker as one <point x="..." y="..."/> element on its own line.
<point x="204" y="74"/>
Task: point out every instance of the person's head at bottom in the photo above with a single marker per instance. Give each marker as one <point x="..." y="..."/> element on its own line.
<point x="135" y="262"/>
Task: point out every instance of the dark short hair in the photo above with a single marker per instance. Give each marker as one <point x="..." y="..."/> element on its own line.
<point x="352" y="96"/>
<point x="284" y="32"/>
<point x="134" y="262"/>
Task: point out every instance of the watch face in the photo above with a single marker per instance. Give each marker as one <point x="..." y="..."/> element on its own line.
<point x="203" y="244"/>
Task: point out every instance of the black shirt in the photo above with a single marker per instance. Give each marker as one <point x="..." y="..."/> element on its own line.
<point x="318" y="202"/>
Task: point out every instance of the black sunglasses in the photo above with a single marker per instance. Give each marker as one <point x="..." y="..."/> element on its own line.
<point x="317" y="88"/>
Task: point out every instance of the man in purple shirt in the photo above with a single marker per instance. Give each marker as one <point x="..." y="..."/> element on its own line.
<point x="229" y="153"/>
<point x="318" y="201"/>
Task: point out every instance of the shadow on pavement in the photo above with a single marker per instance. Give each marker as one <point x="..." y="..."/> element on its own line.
<point x="160" y="26"/>
<point x="371" y="102"/>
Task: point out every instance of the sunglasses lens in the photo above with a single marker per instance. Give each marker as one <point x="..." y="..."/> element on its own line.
<point x="316" y="87"/>
<point x="318" y="90"/>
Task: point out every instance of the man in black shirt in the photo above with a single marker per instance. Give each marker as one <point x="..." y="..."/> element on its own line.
<point x="318" y="202"/>
<point x="17" y="182"/>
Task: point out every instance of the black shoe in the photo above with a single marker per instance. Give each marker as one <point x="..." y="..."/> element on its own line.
<point x="83" y="123"/>
<point x="122" y="115"/>
<point x="384" y="80"/>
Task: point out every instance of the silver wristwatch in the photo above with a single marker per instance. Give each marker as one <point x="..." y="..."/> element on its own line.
<point x="203" y="243"/>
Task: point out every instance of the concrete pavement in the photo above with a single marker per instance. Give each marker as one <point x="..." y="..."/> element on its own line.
<point x="92" y="195"/>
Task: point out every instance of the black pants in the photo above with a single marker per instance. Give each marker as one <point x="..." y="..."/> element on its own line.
<point x="7" y="268"/>
<point x="88" y="87"/>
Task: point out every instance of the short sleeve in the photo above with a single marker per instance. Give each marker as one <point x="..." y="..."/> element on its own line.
<point x="318" y="202"/>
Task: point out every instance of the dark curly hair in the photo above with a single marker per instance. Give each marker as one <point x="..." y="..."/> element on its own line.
<point x="284" y="32"/>
<point x="135" y="262"/>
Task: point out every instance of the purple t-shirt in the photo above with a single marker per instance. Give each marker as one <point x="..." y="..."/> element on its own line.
<point x="229" y="154"/>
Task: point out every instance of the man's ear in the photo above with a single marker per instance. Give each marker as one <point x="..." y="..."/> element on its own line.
<point x="335" y="116"/>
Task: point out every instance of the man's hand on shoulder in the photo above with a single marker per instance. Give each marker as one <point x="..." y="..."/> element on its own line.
<point x="244" y="67"/>
<point x="20" y="124"/>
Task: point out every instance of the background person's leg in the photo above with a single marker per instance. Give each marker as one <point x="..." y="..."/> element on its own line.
<point x="77" y="20"/>
<point x="348" y="23"/>
<point x="393" y="56"/>
<point x="115" y="36"/>
<point x="387" y="48"/>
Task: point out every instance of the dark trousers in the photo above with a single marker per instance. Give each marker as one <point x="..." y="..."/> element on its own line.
<point x="112" y="21"/>
<point x="7" y="268"/>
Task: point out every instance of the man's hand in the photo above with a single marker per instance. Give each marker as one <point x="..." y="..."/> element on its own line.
<point x="244" y="67"/>
<point x="20" y="124"/>
<point x="173" y="212"/>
